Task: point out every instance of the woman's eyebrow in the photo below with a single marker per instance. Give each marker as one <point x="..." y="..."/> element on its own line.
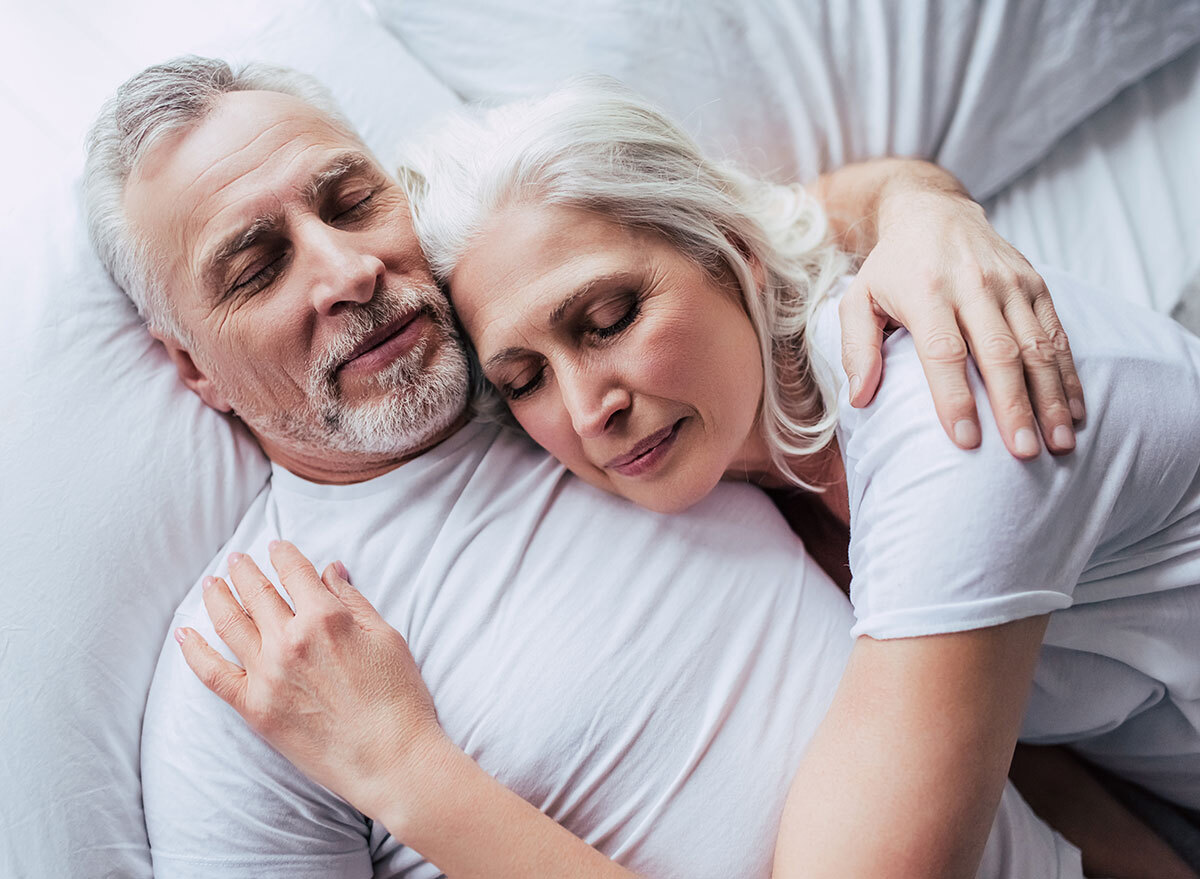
<point x="503" y="356"/>
<point x="559" y="314"/>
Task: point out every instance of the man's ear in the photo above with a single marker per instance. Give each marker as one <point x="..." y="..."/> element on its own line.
<point x="194" y="377"/>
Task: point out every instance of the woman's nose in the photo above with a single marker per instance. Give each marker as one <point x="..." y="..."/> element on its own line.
<point x="595" y="406"/>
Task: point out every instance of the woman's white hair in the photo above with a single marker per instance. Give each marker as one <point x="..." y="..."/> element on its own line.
<point x="160" y="100"/>
<point x="594" y="145"/>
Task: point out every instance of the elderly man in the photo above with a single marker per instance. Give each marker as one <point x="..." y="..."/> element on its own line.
<point x="649" y="682"/>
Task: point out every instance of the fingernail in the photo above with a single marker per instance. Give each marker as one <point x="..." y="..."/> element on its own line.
<point x="855" y="384"/>
<point x="966" y="433"/>
<point x="272" y="545"/>
<point x="234" y="558"/>
<point x="1064" y="437"/>
<point x="180" y="635"/>
<point x="208" y="583"/>
<point x="1026" y="442"/>
<point x="1077" y="410"/>
<point x="341" y="570"/>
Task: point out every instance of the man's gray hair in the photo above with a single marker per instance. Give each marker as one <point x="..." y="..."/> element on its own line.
<point x="593" y="144"/>
<point x="157" y="102"/>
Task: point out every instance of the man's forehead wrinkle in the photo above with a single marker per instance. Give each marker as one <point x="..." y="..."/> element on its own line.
<point x="232" y="155"/>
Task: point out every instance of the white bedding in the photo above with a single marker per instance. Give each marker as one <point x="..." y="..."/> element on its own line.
<point x="1117" y="201"/>
<point x="116" y="485"/>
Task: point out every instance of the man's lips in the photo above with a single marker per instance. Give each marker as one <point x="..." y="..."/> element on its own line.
<point x="378" y="345"/>
<point x="641" y="448"/>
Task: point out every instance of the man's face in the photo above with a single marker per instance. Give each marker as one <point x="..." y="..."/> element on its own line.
<point x="293" y="265"/>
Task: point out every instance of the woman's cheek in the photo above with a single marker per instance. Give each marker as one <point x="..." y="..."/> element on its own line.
<point x="551" y="429"/>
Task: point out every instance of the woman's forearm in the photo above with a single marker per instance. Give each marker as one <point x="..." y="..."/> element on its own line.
<point x="469" y="825"/>
<point x="905" y="773"/>
<point x="860" y="198"/>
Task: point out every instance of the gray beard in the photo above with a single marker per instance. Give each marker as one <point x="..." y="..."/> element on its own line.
<point x="416" y="402"/>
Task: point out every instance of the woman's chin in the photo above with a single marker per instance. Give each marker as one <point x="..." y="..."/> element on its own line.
<point x="669" y="498"/>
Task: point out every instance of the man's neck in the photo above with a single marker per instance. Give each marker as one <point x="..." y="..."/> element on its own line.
<point x="329" y="468"/>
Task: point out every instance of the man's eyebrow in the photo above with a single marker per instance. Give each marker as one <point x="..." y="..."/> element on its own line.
<point x="234" y="244"/>
<point x="341" y="166"/>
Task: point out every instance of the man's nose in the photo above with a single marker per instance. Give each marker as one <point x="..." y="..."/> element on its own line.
<point x="344" y="271"/>
<point x="593" y="402"/>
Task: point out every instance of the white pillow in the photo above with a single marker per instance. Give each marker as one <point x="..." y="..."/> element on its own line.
<point x="797" y="87"/>
<point x="116" y="485"/>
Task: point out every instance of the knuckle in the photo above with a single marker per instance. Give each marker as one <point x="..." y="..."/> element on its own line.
<point x="226" y="620"/>
<point x="999" y="348"/>
<point x="946" y="347"/>
<point x="330" y="622"/>
<point x="1055" y="413"/>
<point x="1059" y="341"/>
<point x="1037" y="352"/>
<point x="295" y="646"/>
<point x="1016" y="410"/>
<point x="1004" y="280"/>
<point x="956" y="404"/>
<point x="933" y="282"/>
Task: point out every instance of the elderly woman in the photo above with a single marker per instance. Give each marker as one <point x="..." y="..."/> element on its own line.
<point x="659" y="322"/>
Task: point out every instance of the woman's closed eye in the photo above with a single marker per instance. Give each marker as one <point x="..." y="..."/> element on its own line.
<point x="523" y="384"/>
<point x="615" y="317"/>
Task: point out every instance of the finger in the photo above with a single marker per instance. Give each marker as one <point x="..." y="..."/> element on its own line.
<point x="337" y="579"/>
<point x="232" y="623"/>
<point x="223" y="677"/>
<point x="862" y="341"/>
<point x="259" y="596"/>
<point x="998" y="356"/>
<point x="1042" y="377"/>
<point x="943" y="354"/>
<point x="297" y="575"/>
<point x="1043" y="309"/>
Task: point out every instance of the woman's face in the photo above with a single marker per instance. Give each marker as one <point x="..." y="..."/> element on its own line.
<point x="621" y="357"/>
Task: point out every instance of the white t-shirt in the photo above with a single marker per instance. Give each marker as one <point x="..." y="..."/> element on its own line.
<point x="1107" y="537"/>
<point x="649" y="681"/>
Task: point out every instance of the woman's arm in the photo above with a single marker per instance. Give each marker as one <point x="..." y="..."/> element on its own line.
<point x="905" y="773"/>
<point x="933" y="264"/>
<point x="335" y="689"/>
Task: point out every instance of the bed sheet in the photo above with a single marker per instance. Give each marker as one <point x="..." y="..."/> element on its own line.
<point x="1117" y="201"/>
<point x="116" y="485"/>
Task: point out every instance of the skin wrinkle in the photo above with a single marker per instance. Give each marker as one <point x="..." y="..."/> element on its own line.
<point x="238" y="205"/>
<point x="272" y="353"/>
<point x="346" y="166"/>
<point x="602" y="394"/>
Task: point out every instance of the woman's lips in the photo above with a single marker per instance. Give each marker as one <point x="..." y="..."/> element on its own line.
<point x="390" y="343"/>
<point x="647" y="454"/>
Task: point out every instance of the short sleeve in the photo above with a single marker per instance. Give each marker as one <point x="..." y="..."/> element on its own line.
<point x="220" y="801"/>
<point x="944" y="539"/>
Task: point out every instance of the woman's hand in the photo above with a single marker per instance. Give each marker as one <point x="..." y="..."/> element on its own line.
<point x="934" y="265"/>
<point x="331" y="686"/>
<point x="335" y="689"/>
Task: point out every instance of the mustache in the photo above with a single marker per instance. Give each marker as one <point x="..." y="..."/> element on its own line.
<point x="385" y="307"/>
